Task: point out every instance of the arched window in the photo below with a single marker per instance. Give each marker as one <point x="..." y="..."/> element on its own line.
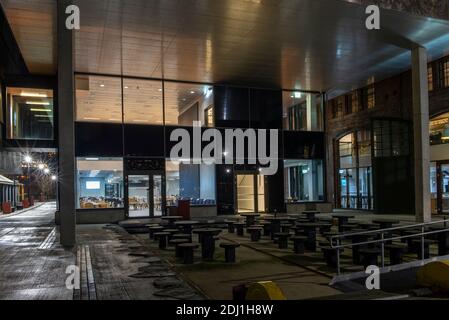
<point x="354" y="171"/>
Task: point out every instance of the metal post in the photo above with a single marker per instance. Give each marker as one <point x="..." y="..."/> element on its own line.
<point x="338" y="257"/>
<point x="422" y="243"/>
<point x="383" y="249"/>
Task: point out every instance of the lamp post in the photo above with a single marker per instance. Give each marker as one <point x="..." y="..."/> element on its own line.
<point x="28" y="161"/>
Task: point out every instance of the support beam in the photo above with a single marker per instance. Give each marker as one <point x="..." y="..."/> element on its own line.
<point x="421" y="134"/>
<point x="66" y="103"/>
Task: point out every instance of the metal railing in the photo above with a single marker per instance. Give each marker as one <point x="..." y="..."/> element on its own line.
<point x="336" y="240"/>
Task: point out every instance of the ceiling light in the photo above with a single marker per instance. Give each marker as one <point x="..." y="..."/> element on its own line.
<point x="54" y="178"/>
<point x="41" y="110"/>
<point x="43" y="116"/>
<point x="37" y="103"/>
<point x="46" y="171"/>
<point x="28" y="159"/>
<point x="102" y="85"/>
<point x="33" y="95"/>
<point x="126" y="87"/>
<point x="160" y="90"/>
<point x="192" y="92"/>
<point x="92" y="159"/>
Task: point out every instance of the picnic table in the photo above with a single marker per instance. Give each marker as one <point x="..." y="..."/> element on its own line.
<point x="310" y="232"/>
<point x="171" y="220"/>
<point x="186" y="225"/>
<point x="310" y="214"/>
<point x="386" y="223"/>
<point x="343" y="219"/>
<point x="250" y="218"/>
<point x="207" y="241"/>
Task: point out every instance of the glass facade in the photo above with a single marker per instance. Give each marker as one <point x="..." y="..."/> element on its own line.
<point x="142" y="102"/>
<point x="302" y="111"/>
<point x="439" y="129"/>
<point x="303" y="180"/>
<point x="185" y="103"/>
<point x="30" y="114"/>
<point x="98" y="99"/>
<point x="190" y="181"/>
<point x="99" y="183"/>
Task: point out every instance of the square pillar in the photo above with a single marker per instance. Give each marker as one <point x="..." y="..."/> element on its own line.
<point x="421" y="134"/>
<point x="66" y="118"/>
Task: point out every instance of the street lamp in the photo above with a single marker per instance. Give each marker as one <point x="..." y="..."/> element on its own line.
<point x="46" y="171"/>
<point x="54" y="178"/>
<point x="28" y="161"/>
<point x="41" y="166"/>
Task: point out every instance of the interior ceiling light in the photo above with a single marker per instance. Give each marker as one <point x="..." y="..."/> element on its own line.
<point x="37" y="103"/>
<point x="33" y="95"/>
<point x="41" y="110"/>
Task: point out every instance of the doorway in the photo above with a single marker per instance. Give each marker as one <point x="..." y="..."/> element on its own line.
<point x="442" y="187"/>
<point x="145" y="194"/>
<point x="250" y="193"/>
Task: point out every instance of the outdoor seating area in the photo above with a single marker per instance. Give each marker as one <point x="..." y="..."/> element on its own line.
<point x="310" y="238"/>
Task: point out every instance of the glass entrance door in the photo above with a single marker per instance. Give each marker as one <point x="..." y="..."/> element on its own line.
<point x="250" y="193"/>
<point x="443" y="192"/>
<point x="145" y="195"/>
<point x="246" y="199"/>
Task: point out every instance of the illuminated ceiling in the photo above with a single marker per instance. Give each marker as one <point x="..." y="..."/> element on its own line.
<point x="293" y="44"/>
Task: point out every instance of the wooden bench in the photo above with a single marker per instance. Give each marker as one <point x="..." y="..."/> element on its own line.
<point x="396" y="252"/>
<point x="176" y="243"/>
<point x="240" y="228"/>
<point x="182" y="236"/>
<point x="153" y="230"/>
<point x="163" y="239"/>
<point x="172" y="232"/>
<point x="255" y="233"/>
<point x="231" y="228"/>
<point x="329" y="254"/>
<point x="282" y="239"/>
<point x="229" y="248"/>
<point x="369" y="256"/>
<point x="187" y="250"/>
<point x="298" y="244"/>
<point x="285" y="227"/>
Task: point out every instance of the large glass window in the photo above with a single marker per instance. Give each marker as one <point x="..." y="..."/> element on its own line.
<point x="190" y="181"/>
<point x="444" y="77"/>
<point x="98" y="99"/>
<point x="185" y="103"/>
<point x="302" y="111"/>
<point x="391" y="138"/>
<point x="303" y="180"/>
<point x="355" y="182"/>
<point x="30" y="114"/>
<point x="99" y="183"/>
<point x="142" y="101"/>
<point x="430" y="77"/>
<point x="439" y="129"/>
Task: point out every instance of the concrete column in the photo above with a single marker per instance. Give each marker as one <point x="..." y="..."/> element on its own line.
<point x="311" y="112"/>
<point x="421" y="134"/>
<point x="66" y="103"/>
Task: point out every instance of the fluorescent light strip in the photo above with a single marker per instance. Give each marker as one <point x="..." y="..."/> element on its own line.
<point x="42" y="116"/>
<point x="37" y="103"/>
<point x="41" y="110"/>
<point x="33" y="95"/>
<point x="91" y="118"/>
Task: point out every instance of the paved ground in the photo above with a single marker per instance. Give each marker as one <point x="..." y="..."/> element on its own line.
<point x="112" y="264"/>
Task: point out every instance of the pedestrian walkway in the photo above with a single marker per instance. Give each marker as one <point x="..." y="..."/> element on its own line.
<point x="112" y="264"/>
